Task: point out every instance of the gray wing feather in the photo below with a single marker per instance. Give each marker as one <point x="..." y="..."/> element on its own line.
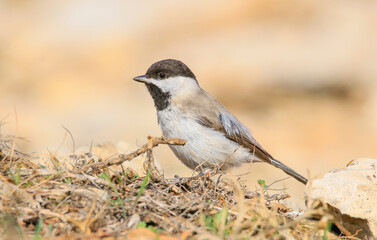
<point x="239" y="133"/>
<point x="235" y="128"/>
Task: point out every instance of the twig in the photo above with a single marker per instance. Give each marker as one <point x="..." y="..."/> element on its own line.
<point x="73" y="142"/>
<point x="149" y="164"/>
<point x="279" y="180"/>
<point x="153" y="142"/>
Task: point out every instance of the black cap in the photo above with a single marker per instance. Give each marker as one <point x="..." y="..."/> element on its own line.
<point x="169" y="68"/>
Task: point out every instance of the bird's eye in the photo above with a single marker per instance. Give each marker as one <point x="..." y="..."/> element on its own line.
<point x="161" y="75"/>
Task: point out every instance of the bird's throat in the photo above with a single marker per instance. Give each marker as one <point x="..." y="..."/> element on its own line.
<point x="161" y="99"/>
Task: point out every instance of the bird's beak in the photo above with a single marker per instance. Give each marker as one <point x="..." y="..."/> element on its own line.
<point x="142" y="79"/>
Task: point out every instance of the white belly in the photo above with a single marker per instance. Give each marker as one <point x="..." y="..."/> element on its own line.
<point x="205" y="148"/>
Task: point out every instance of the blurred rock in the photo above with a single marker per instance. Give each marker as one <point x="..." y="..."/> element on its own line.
<point x="351" y="193"/>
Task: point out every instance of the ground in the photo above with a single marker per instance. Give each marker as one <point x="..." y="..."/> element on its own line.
<point x="81" y="196"/>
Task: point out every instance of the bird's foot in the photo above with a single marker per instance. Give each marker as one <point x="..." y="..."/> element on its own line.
<point x="207" y="173"/>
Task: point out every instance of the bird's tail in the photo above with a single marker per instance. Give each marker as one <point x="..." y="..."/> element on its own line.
<point x="288" y="171"/>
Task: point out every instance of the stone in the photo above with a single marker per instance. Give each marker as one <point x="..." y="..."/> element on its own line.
<point x="351" y="193"/>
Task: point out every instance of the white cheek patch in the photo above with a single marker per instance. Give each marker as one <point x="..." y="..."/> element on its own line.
<point x="170" y="85"/>
<point x="175" y="85"/>
<point x="153" y="81"/>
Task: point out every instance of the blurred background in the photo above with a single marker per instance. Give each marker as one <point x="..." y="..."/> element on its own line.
<point x="302" y="75"/>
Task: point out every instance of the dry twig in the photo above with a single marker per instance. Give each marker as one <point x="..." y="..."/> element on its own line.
<point x="153" y="142"/>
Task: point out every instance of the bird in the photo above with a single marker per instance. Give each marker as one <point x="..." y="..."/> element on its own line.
<point x="214" y="137"/>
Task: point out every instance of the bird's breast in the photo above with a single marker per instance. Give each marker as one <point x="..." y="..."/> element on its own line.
<point x="174" y="123"/>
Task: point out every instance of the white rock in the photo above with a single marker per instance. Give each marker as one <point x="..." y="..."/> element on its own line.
<point x="352" y="191"/>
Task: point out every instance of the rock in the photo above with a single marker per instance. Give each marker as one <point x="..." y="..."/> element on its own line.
<point x="351" y="193"/>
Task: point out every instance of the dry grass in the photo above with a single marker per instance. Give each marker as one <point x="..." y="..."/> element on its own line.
<point x="86" y="197"/>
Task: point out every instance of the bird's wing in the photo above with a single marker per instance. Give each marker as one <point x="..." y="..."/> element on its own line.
<point x="234" y="130"/>
<point x="220" y="119"/>
<point x="239" y="133"/>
